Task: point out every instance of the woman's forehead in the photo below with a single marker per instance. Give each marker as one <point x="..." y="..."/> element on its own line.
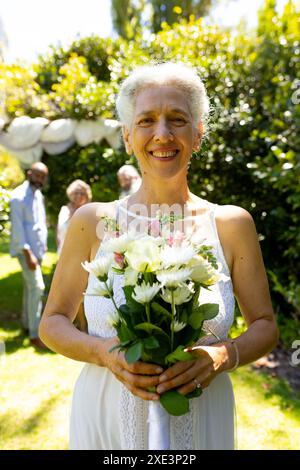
<point x="164" y="97"/>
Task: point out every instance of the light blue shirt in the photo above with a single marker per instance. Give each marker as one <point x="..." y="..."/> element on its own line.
<point x="28" y="221"/>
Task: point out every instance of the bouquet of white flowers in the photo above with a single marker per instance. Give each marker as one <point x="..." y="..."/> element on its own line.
<point x="162" y="314"/>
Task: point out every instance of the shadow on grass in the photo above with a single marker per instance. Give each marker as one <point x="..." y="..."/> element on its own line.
<point x="15" y="338"/>
<point x="12" y="426"/>
<point x="273" y="387"/>
<point x="10" y="310"/>
<point x="11" y="295"/>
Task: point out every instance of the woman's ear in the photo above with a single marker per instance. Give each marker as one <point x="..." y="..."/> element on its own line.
<point x="198" y="137"/>
<point x="126" y="138"/>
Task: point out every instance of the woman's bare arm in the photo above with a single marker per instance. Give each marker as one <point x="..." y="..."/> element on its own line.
<point x="250" y="286"/>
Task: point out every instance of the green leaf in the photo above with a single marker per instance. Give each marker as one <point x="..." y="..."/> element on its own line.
<point x="151" y="343"/>
<point x="118" y="270"/>
<point x="160" y="310"/>
<point x="119" y="346"/>
<point x="130" y="302"/>
<point x="125" y="334"/>
<point x="150" y="328"/>
<point x="202" y="313"/>
<point x="195" y="393"/>
<point x="174" y="403"/>
<point x="179" y="355"/>
<point x="134" y="353"/>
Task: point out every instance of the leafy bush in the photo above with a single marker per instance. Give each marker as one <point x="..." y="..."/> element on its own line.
<point x="11" y="176"/>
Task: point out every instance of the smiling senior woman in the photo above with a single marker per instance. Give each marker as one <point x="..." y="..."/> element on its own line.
<point x="162" y="109"/>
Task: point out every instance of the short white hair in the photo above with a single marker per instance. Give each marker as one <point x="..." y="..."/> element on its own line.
<point x="179" y="75"/>
<point x="79" y="184"/>
<point x="129" y="170"/>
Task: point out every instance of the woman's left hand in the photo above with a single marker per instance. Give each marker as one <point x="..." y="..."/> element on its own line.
<point x="184" y="376"/>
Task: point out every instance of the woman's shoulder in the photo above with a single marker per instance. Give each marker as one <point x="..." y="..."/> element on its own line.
<point x="235" y="224"/>
<point x="232" y="215"/>
<point x="88" y="216"/>
<point x="85" y="230"/>
<point x="92" y="212"/>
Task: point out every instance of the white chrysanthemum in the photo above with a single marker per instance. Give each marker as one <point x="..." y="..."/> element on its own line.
<point x="181" y="294"/>
<point x="177" y="255"/>
<point x="130" y="276"/>
<point x="173" y="277"/>
<point x="99" y="266"/>
<point x="145" y="292"/>
<point x="178" y="326"/>
<point x="112" y="319"/>
<point x="101" y="289"/>
<point x="118" y="244"/>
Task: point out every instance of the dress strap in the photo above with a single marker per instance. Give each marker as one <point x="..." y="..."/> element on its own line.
<point x="219" y="247"/>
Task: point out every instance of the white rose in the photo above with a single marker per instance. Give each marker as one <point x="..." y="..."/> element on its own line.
<point x="143" y="255"/>
<point x="204" y="273"/>
<point x="130" y="276"/>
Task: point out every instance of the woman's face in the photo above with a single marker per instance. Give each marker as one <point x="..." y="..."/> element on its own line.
<point x="78" y="197"/>
<point x="162" y="134"/>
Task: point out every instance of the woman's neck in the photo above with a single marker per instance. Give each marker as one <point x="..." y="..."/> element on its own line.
<point x="156" y="192"/>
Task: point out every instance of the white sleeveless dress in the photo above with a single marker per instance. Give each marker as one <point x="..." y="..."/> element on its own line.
<point x="106" y="416"/>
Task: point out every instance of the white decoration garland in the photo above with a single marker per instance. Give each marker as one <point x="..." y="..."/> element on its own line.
<point x="27" y="137"/>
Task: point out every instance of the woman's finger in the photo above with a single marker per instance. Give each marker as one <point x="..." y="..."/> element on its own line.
<point x="175" y="370"/>
<point x="184" y="378"/>
<point x="139" y="386"/>
<point x="142" y="368"/>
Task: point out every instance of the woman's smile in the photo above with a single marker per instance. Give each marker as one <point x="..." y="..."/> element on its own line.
<point x="164" y="154"/>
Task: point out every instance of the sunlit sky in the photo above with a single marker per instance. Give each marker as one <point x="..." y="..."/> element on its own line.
<point x="32" y="25"/>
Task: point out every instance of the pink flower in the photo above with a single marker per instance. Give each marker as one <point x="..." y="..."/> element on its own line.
<point x="154" y="228"/>
<point x="119" y="259"/>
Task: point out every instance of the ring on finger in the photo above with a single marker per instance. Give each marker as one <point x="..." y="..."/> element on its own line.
<point x="198" y="384"/>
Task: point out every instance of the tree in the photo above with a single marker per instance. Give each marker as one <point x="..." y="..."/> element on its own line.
<point x="127" y="17"/>
<point x="130" y="15"/>
<point x="171" y="11"/>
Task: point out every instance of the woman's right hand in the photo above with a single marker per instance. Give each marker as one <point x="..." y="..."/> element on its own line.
<point x="137" y="377"/>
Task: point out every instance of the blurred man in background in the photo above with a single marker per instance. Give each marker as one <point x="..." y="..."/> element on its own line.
<point x="129" y="180"/>
<point x="29" y="243"/>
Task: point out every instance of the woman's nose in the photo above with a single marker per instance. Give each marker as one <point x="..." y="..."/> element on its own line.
<point x="163" y="132"/>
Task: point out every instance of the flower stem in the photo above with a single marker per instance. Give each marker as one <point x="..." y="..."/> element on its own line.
<point x="112" y="297"/>
<point x="173" y="319"/>
<point x="147" y="306"/>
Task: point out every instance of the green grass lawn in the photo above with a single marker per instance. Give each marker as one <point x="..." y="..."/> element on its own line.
<point x="36" y="387"/>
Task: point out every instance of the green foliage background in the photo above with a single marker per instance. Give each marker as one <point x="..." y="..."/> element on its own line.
<point x="250" y="156"/>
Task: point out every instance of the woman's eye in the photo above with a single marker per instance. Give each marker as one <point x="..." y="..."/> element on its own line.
<point x="145" y="121"/>
<point x="178" y="119"/>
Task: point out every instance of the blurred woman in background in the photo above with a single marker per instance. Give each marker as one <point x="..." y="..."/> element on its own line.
<point x="79" y="193"/>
